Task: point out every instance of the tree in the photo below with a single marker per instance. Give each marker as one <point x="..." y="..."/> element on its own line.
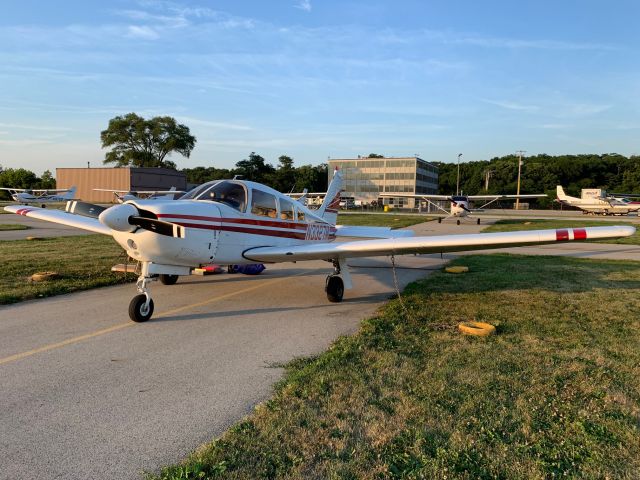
<point x="375" y="155"/>
<point x="145" y="143"/>
<point x="16" y="178"/>
<point x="255" y="169"/>
<point x="47" y="180"/>
<point x="284" y="178"/>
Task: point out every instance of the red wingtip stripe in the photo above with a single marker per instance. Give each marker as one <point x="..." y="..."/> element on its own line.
<point x="579" y="234"/>
<point x="562" y="235"/>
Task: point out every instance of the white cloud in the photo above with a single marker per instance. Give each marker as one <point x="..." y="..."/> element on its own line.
<point x="207" y="123"/>
<point x="506" y="104"/>
<point x="143" y="32"/>
<point x="44" y="128"/>
<point x="304" y="5"/>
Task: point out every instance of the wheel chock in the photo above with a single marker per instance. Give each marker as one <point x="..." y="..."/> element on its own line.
<point x="479" y="329"/>
<point x="456" y="269"/>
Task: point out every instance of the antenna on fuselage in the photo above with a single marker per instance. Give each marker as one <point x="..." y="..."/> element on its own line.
<point x="238" y="177"/>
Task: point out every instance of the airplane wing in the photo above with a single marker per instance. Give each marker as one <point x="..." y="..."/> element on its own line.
<point x="58" y="216"/>
<point x="13" y="189"/>
<point x="144" y="192"/>
<point x="417" y="195"/>
<point x="436" y="244"/>
<point x="505" y="197"/>
<point x="371" y="232"/>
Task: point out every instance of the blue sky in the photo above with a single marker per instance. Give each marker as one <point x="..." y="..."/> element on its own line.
<point x="321" y="78"/>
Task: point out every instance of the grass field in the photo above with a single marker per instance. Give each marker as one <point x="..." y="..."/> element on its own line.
<point x="83" y="262"/>
<point x="12" y="226"/>
<point x="511" y="225"/>
<point x="556" y="393"/>
<point x="382" y="220"/>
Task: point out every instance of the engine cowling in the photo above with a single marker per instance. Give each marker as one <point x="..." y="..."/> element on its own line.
<point x="117" y="217"/>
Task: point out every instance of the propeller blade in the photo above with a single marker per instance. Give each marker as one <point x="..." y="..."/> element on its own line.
<point x="465" y="208"/>
<point x="83" y="208"/>
<point x="158" y="226"/>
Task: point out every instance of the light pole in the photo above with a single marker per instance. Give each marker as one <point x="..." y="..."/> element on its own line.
<point x="458" y="181"/>
<point x="519" y="152"/>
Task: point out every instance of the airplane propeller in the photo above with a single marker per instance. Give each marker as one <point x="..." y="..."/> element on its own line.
<point x="127" y="218"/>
<point x="83" y="208"/>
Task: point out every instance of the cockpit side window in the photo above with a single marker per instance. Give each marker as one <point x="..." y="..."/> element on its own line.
<point x="286" y="210"/>
<point x="300" y="214"/>
<point x="263" y="204"/>
<point x="229" y="193"/>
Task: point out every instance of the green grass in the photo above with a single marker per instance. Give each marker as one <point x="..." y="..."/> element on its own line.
<point x="382" y="220"/>
<point x="556" y="393"/>
<point x="511" y="225"/>
<point x="12" y="226"/>
<point x="83" y="262"/>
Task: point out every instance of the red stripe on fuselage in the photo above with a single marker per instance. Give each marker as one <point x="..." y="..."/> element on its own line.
<point x="579" y="234"/>
<point x="244" y="221"/>
<point x="562" y="235"/>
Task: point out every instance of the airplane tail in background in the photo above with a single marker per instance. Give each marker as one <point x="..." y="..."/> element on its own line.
<point x="70" y="194"/>
<point x="563" y="197"/>
<point x="329" y="208"/>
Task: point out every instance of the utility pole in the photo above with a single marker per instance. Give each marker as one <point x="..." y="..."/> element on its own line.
<point x="487" y="177"/>
<point x="519" y="153"/>
<point x="458" y="181"/>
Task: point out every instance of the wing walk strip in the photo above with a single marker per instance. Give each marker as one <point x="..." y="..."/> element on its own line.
<point x="120" y="326"/>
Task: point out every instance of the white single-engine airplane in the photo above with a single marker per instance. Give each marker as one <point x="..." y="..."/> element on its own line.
<point x="598" y="205"/>
<point x="41" y="196"/>
<point x="233" y="222"/>
<point x="460" y="203"/>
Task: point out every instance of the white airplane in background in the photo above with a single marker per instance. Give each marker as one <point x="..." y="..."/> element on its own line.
<point x="41" y="196"/>
<point x="235" y="222"/>
<point x="460" y="203"/>
<point x="124" y="195"/>
<point x="598" y="205"/>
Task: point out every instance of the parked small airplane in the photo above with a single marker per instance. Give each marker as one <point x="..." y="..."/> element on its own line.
<point x="122" y="196"/>
<point x="236" y="222"/>
<point x="607" y="205"/>
<point x="460" y="203"/>
<point x="41" y="196"/>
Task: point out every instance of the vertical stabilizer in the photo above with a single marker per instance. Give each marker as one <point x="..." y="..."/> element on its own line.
<point x="70" y="194"/>
<point x="563" y="197"/>
<point x="329" y="208"/>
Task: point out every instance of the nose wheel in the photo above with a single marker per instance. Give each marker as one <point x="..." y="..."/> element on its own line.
<point x="140" y="310"/>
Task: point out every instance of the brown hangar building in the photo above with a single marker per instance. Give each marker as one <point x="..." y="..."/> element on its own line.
<point x="122" y="178"/>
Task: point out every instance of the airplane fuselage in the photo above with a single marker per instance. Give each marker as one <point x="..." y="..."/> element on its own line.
<point x="215" y="232"/>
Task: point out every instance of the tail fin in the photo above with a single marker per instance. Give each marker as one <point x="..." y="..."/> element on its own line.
<point x="329" y="208"/>
<point x="563" y="197"/>
<point x="70" y="194"/>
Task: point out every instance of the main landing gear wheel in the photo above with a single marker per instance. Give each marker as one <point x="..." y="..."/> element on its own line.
<point x="334" y="288"/>
<point x="457" y="222"/>
<point x="439" y="219"/>
<point x="168" y="279"/>
<point x="138" y="309"/>
<point x="478" y="221"/>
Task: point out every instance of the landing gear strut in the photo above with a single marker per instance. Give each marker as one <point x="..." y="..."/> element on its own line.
<point x="141" y="306"/>
<point x="334" y="285"/>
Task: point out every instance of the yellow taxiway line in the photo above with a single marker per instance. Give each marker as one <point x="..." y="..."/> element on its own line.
<point x="120" y="326"/>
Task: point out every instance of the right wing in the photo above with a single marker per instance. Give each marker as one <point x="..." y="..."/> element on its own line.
<point x="58" y="216"/>
<point x="436" y="244"/>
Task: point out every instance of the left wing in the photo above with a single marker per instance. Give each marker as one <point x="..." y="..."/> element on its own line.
<point x="58" y="216"/>
<point x="436" y="244"/>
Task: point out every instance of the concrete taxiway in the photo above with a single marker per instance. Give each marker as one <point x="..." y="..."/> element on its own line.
<point x="88" y="394"/>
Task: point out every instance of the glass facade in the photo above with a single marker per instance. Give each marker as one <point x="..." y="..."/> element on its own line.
<point x="365" y="178"/>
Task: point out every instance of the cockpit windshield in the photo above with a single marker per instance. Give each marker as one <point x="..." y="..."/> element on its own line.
<point x="229" y="193"/>
<point x="459" y="198"/>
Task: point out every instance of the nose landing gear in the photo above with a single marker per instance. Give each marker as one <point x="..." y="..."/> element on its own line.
<point x="141" y="306"/>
